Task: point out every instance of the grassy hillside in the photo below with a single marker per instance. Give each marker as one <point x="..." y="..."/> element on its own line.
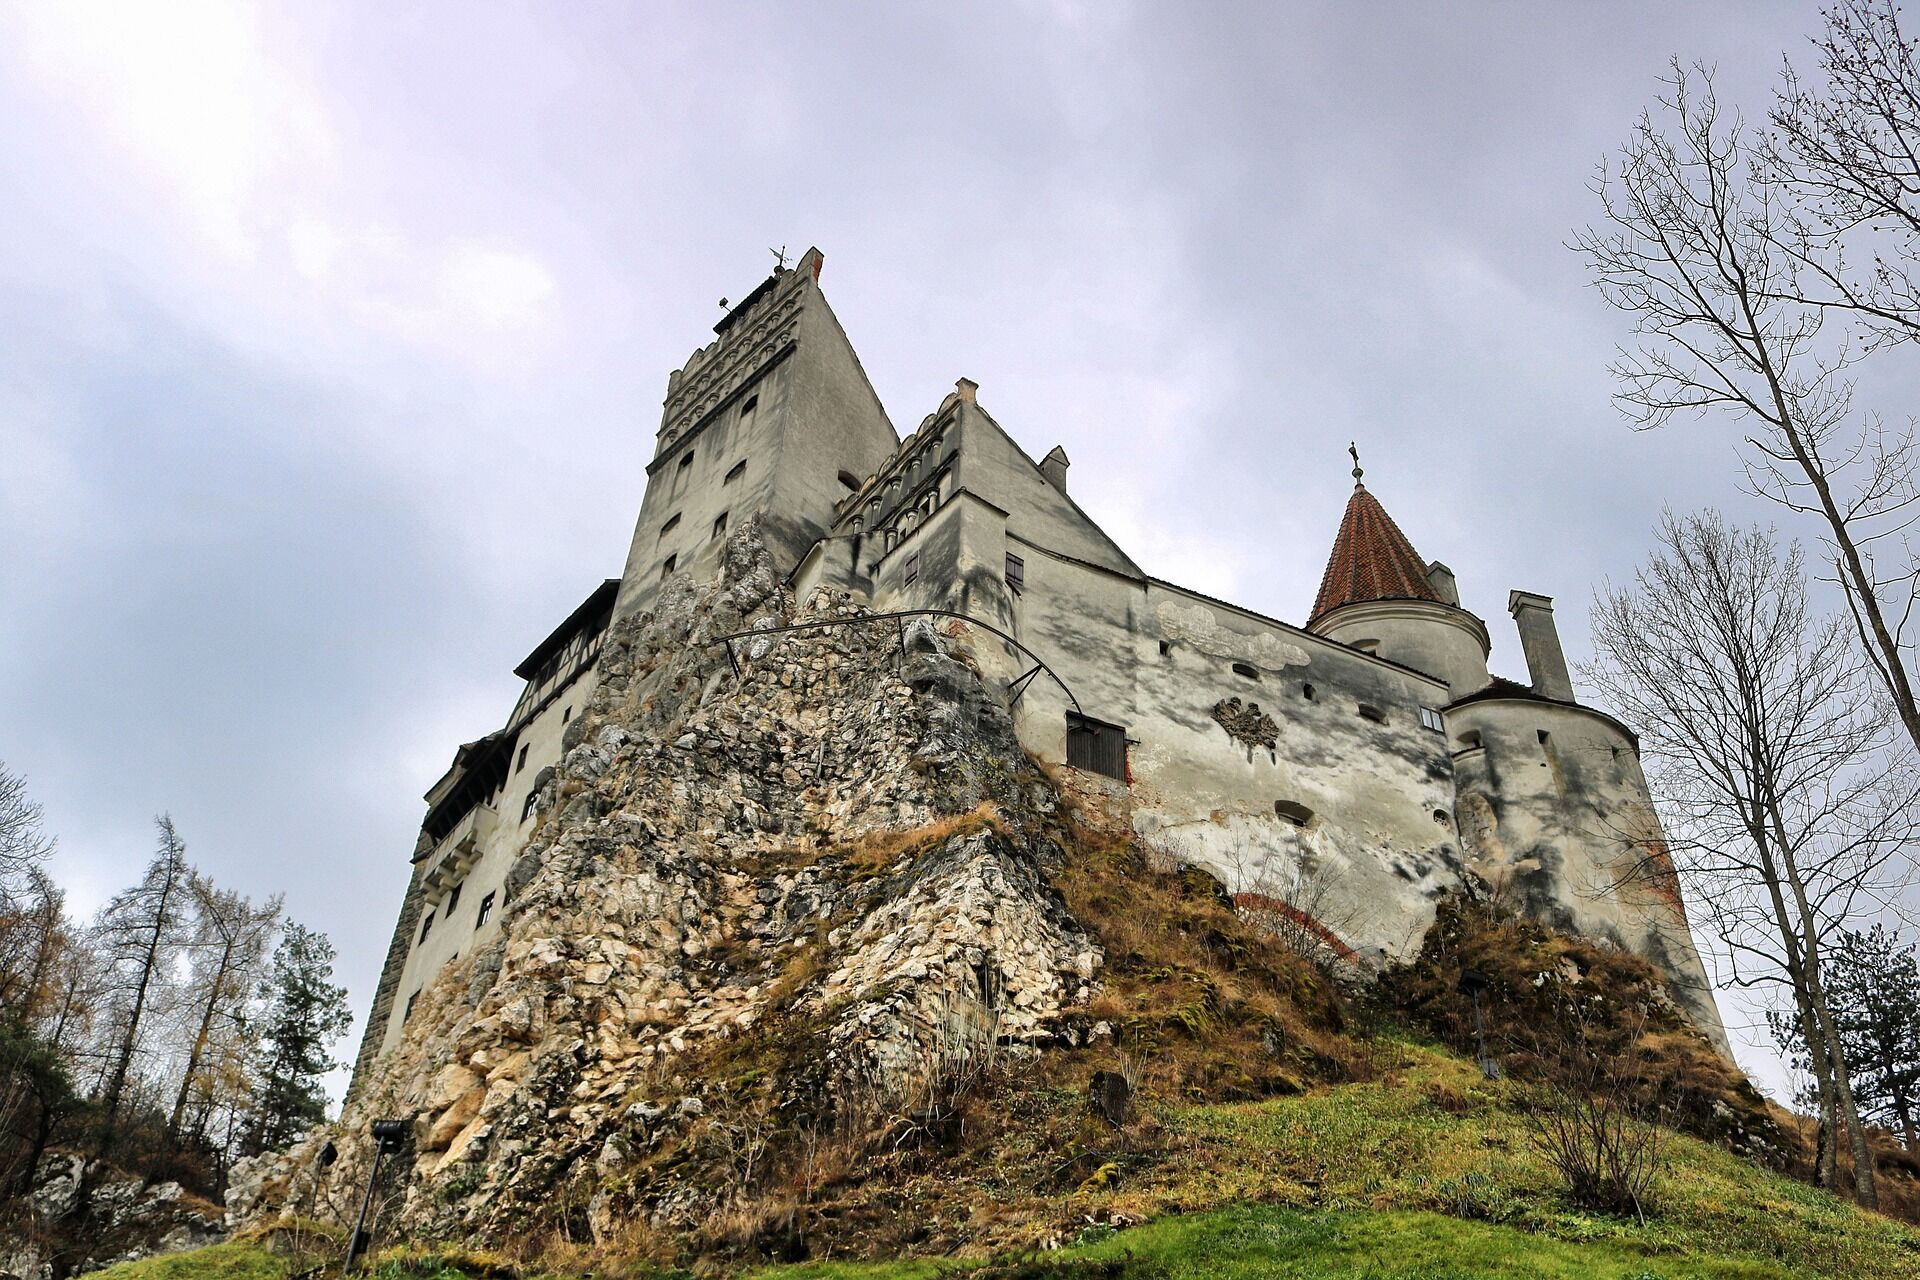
<point x="1424" y="1172"/>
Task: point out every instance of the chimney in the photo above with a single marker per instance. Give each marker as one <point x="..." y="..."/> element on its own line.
<point x="968" y="390"/>
<point x="1440" y="578"/>
<point x="1054" y="468"/>
<point x="1533" y="615"/>
<point x="810" y="262"/>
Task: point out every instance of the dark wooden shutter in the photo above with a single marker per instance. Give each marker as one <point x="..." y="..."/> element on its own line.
<point x="1096" y="747"/>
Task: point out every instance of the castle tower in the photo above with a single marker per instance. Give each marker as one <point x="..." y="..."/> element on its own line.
<point x="774" y="418"/>
<point x="1378" y="596"/>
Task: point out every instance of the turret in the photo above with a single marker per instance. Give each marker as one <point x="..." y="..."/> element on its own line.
<point x="1379" y="596"/>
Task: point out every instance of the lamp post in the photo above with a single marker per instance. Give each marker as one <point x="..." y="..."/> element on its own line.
<point x="1472" y="984"/>
<point x="387" y="1137"/>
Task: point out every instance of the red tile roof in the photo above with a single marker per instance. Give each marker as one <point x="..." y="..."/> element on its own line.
<point x="1371" y="560"/>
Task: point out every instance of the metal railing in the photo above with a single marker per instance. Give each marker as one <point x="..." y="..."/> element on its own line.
<point x="1015" y="687"/>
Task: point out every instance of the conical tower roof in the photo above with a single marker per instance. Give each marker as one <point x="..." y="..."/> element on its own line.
<point x="1371" y="560"/>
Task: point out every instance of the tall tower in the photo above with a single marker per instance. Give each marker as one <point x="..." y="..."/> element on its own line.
<point x="773" y="419"/>
<point x="1377" y="595"/>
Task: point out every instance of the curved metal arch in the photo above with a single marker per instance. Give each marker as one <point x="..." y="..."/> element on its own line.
<point x="1015" y="687"/>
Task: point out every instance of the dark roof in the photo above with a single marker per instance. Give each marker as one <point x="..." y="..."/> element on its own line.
<point x="1503" y="689"/>
<point x="593" y="609"/>
<point x="760" y="291"/>
<point x="1371" y="560"/>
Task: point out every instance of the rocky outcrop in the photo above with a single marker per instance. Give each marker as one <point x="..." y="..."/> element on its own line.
<point x="801" y="881"/>
<point x="82" y="1216"/>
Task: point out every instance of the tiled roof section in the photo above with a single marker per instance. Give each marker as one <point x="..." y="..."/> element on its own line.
<point x="1371" y="560"/>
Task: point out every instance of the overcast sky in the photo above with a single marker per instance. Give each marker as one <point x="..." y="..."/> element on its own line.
<point x="333" y="337"/>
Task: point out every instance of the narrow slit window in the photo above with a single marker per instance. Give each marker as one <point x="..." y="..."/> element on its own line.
<point x="673" y="522"/>
<point x="412" y="1000"/>
<point x="1016" y="573"/>
<point x="720" y="525"/>
<point x="453" y="896"/>
<point x="1096" y="746"/>
<point x="739" y="469"/>
<point x="521" y="763"/>
<point x="666" y="566"/>
<point x="912" y="570"/>
<point x="1246" y="669"/>
<point x="426" y="927"/>
<point x="1306" y="691"/>
<point x="686" y="459"/>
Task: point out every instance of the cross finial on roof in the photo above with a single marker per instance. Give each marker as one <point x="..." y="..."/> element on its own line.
<point x="1354" y="449"/>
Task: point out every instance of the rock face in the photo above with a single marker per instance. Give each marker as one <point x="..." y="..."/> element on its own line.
<point x="122" y="1219"/>
<point x="818" y="860"/>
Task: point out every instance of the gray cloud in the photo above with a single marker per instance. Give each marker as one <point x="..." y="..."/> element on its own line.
<point x="336" y="343"/>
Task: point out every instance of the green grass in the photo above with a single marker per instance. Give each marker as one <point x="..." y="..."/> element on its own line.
<point x="1267" y="1241"/>
<point x="235" y="1260"/>
<point x="1392" y="1145"/>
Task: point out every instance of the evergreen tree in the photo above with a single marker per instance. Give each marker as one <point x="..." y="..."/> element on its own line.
<point x="1876" y="997"/>
<point x="304" y="1014"/>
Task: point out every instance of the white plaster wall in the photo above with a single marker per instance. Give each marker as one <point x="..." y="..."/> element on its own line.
<point x="457" y="935"/>
<point x="1566" y="826"/>
<point x="1439" y="639"/>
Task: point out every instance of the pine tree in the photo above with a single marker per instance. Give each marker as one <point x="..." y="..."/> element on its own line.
<point x="304" y="1014"/>
<point x="1876" y="996"/>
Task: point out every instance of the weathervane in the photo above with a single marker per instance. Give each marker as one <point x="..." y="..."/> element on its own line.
<point x="780" y="256"/>
<point x="1354" y="449"/>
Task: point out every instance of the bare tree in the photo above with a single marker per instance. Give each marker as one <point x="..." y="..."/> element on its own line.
<point x="227" y="949"/>
<point x="138" y="935"/>
<point x="1768" y="756"/>
<point x="1847" y="146"/>
<point x="24" y="842"/>
<point x="1732" y="288"/>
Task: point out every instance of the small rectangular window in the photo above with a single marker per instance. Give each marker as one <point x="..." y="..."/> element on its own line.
<point x="913" y="569"/>
<point x="1431" y="719"/>
<point x="412" y="1000"/>
<point x="666" y="566"/>
<point x="720" y="525"/>
<point x="566" y="715"/>
<point x="533" y="801"/>
<point x="1096" y="747"/>
<point x="1370" y="712"/>
<point x="673" y="522"/>
<point x="746" y="410"/>
<point x="521" y="763"/>
<point x="686" y="459"/>
<point x="1016" y="573"/>
<point x="453" y="896"/>
<point x="486" y="911"/>
<point x="1246" y="670"/>
<point x="739" y="469"/>
<point x="426" y="927"/>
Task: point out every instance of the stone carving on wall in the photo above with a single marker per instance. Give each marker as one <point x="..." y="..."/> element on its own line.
<point x="1247" y="723"/>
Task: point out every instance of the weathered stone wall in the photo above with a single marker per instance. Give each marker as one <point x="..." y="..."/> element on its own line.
<point x="839" y="831"/>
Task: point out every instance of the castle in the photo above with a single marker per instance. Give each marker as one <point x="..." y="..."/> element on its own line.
<point x="1343" y="774"/>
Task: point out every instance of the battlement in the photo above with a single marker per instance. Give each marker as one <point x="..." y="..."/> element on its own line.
<point x="762" y="328"/>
